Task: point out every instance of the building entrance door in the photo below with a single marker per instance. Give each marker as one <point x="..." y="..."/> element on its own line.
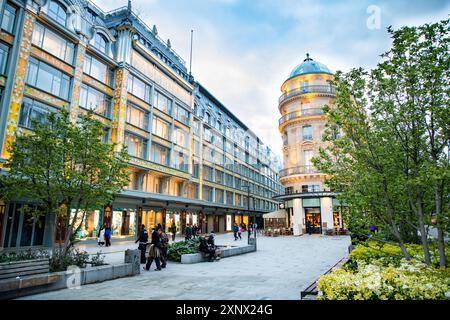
<point x="313" y="216"/>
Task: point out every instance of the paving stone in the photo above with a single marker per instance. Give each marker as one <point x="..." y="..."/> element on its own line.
<point x="280" y="269"/>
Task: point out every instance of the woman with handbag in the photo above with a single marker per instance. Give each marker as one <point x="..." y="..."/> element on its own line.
<point x="143" y="240"/>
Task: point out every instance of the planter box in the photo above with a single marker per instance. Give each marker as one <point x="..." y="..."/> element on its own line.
<point x="14" y="288"/>
<point x="226" y="252"/>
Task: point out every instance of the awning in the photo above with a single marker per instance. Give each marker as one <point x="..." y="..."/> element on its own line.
<point x="279" y="214"/>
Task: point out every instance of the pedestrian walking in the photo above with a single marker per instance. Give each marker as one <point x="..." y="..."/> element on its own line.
<point x="240" y="230"/>
<point x="143" y="241"/>
<point x="155" y="250"/>
<point x="164" y="248"/>
<point x="235" y="231"/>
<point x="308" y="227"/>
<point x="194" y="230"/>
<point x="108" y="234"/>
<point x="173" y="229"/>
<point x="101" y="236"/>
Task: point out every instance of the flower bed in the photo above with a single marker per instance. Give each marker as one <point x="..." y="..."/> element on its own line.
<point x="379" y="273"/>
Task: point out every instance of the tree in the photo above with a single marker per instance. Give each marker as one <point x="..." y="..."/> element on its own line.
<point x="391" y="163"/>
<point x="66" y="169"/>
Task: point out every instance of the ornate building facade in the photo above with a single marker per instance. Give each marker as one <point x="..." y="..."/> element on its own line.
<point x="192" y="160"/>
<point x="302" y="125"/>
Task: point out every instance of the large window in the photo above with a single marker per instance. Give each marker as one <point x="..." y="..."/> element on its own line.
<point x="219" y="196"/>
<point x="307" y="132"/>
<point x="139" y="88"/>
<point x="207" y="193"/>
<point x="160" y="154"/>
<point x="181" y="137"/>
<point x="137" y="146"/>
<point x="162" y="102"/>
<point x="181" y="160"/>
<point x="53" y="43"/>
<point x="181" y="114"/>
<point x="57" y="12"/>
<point x="97" y="69"/>
<point x="100" y="43"/>
<point x="307" y="156"/>
<point x="33" y="112"/>
<point x="207" y="173"/>
<point x="161" y="128"/>
<point x="9" y="18"/>
<point x="3" y="58"/>
<point x="47" y="78"/>
<point x="137" y="116"/>
<point x="95" y="100"/>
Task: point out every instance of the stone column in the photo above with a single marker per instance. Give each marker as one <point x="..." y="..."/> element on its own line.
<point x="326" y="213"/>
<point x="298" y="217"/>
<point x="18" y="82"/>
<point x="119" y="107"/>
<point x="77" y="81"/>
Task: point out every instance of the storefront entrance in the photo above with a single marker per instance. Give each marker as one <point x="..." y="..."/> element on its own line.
<point x="313" y="216"/>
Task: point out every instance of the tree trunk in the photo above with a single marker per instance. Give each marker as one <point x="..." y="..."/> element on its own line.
<point x="423" y="232"/>
<point x="441" y="240"/>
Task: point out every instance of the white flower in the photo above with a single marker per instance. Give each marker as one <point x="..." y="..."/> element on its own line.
<point x="390" y="288"/>
<point x="429" y="286"/>
<point x="404" y="286"/>
<point x="447" y="294"/>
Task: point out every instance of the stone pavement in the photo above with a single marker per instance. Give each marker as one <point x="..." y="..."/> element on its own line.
<point x="280" y="269"/>
<point x="115" y="253"/>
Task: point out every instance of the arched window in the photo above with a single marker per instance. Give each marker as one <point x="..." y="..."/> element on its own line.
<point x="100" y="42"/>
<point x="57" y="12"/>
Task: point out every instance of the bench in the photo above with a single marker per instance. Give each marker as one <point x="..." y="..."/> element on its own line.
<point x="25" y="274"/>
<point x="312" y="288"/>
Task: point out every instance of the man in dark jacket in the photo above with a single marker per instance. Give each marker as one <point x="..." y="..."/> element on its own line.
<point x="143" y="240"/>
<point x="155" y="250"/>
<point x="173" y="229"/>
<point x="204" y="247"/>
<point x="235" y="231"/>
<point x="188" y="232"/>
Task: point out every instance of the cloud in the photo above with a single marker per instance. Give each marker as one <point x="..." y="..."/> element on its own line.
<point x="244" y="50"/>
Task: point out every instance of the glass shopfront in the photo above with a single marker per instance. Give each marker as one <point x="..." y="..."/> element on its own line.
<point x="313" y="216"/>
<point x="172" y="218"/>
<point x="228" y="223"/>
<point x="123" y="222"/>
<point x="21" y="229"/>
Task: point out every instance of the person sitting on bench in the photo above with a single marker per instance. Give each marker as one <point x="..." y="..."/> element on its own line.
<point x="204" y="247"/>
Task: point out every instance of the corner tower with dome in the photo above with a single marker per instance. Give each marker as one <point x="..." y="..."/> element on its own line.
<point x="302" y="123"/>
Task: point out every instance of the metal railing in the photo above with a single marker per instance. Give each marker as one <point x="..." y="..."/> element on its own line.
<point x="297" y="170"/>
<point x="300" y="113"/>
<point x="328" y="89"/>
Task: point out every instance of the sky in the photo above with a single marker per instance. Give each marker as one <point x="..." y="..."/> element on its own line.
<point x="243" y="50"/>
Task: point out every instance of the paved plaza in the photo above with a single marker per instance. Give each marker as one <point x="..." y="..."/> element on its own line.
<point x="279" y="269"/>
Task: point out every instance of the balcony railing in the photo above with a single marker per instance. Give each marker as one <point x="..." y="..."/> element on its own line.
<point x="300" y="113"/>
<point x="297" y="170"/>
<point x="307" y="89"/>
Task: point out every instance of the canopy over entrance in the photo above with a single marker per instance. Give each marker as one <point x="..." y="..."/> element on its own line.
<point x="279" y="214"/>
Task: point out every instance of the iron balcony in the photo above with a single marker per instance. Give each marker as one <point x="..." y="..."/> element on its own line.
<point x="300" y="113"/>
<point x="297" y="170"/>
<point x="330" y="90"/>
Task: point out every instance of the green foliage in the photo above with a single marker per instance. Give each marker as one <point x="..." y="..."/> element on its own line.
<point x="61" y="259"/>
<point x="29" y="254"/>
<point x="379" y="271"/>
<point x="64" y="165"/>
<point x="375" y="282"/>
<point x="97" y="260"/>
<point x="390" y="162"/>
<point x="373" y="252"/>
<point x="177" y="249"/>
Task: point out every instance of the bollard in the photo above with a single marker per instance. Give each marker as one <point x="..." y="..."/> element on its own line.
<point x="133" y="257"/>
